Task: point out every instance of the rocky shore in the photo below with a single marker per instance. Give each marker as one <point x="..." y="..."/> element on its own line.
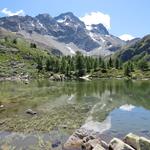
<point x="82" y="140"/>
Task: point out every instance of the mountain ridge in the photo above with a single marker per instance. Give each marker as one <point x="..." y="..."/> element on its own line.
<point x="65" y="29"/>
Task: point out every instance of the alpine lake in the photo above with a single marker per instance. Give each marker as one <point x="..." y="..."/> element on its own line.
<point x="109" y="107"/>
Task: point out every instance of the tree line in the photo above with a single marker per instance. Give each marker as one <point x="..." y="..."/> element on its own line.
<point x="80" y="65"/>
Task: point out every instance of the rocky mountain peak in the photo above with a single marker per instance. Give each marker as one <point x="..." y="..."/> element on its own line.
<point x="65" y="28"/>
<point x="44" y="16"/>
<point x="99" y="28"/>
<point x="69" y="17"/>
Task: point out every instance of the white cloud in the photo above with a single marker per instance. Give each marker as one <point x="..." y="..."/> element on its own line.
<point x="126" y="37"/>
<point x="7" y="12"/>
<point x="96" y="18"/>
<point x="127" y="107"/>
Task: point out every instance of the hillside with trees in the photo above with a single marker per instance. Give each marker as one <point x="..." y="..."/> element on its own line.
<point x="20" y="58"/>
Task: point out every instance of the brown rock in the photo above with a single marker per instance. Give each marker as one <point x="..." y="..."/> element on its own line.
<point x="73" y="142"/>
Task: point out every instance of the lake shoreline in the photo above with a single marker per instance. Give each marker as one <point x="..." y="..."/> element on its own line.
<point x="26" y="80"/>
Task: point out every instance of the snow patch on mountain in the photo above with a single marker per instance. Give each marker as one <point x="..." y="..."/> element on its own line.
<point x="41" y="25"/>
<point x="60" y="21"/>
<point x="92" y="36"/>
<point x="89" y="27"/>
<point x="32" y="24"/>
<point x="71" y="50"/>
<point x="102" y="39"/>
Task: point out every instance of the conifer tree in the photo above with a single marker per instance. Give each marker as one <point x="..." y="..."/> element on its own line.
<point x="80" y="65"/>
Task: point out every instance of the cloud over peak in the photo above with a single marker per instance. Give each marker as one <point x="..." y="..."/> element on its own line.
<point x="7" y="12"/>
<point x="96" y="18"/>
<point x="126" y="37"/>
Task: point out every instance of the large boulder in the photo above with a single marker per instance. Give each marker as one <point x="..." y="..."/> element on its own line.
<point x="144" y="143"/>
<point x="117" y="144"/>
<point x="58" y="77"/>
<point x="132" y="140"/>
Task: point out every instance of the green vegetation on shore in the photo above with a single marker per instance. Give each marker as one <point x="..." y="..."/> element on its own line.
<point x="19" y="57"/>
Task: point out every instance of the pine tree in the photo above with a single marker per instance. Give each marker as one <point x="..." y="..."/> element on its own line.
<point x="14" y="41"/>
<point x="96" y="64"/>
<point x="6" y="39"/>
<point x="103" y="65"/>
<point x="50" y="64"/>
<point x="127" y="70"/>
<point x="68" y="70"/>
<point x="110" y="63"/>
<point x="117" y="64"/>
<point x="39" y="63"/>
<point x="80" y="65"/>
<point x="100" y="61"/>
<point x="63" y="65"/>
<point x="33" y="45"/>
<point x="143" y="65"/>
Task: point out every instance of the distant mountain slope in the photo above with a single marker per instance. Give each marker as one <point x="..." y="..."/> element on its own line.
<point x="139" y="50"/>
<point x="63" y="30"/>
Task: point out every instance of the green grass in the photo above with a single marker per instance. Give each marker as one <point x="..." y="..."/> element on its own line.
<point x="16" y="59"/>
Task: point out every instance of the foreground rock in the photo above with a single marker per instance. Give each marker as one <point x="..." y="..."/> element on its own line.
<point x="139" y="143"/>
<point x="98" y="147"/>
<point x="132" y="140"/>
<point x="87" y="140"/>
<point x="82" y="140"/>
<point x="144" y="143"/>
<point x="117" y="144"/>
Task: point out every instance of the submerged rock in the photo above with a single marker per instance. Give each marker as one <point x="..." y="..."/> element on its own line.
<point x="74" y="142"/>
<point x="1" y="106"/>
<point x="2" y="122"/>
<point x="31" y="112"/>
<point x="56" y="144"/>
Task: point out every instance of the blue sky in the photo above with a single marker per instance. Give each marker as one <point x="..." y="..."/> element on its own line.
<point x="126" y="16"/>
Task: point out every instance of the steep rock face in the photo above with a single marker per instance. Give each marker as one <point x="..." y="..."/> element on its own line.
<point x="99" y="28"/>
<point x="74" y="31"/>
<point x="49" y="24"/>
<point x="18" y="23"/>
<point x="65" y="28"/>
